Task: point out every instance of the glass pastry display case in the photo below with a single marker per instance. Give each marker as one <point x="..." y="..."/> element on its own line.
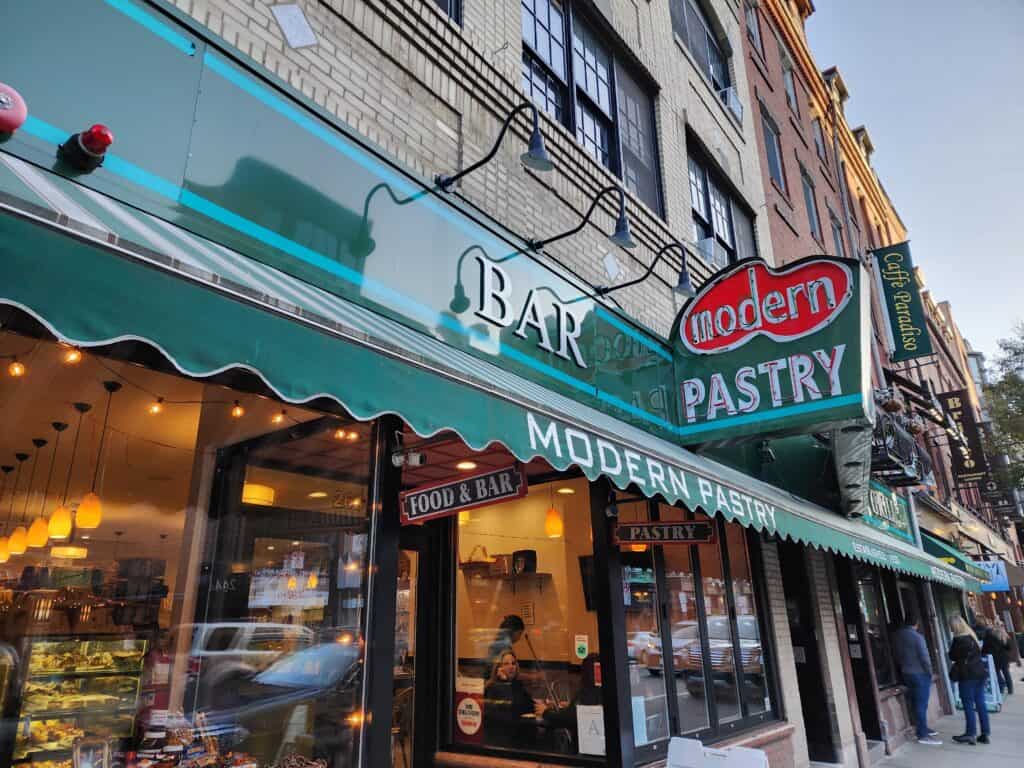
<point x="73" y="684"/>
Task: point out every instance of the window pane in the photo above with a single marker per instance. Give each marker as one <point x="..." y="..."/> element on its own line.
<point x="746" y="243"/>
<point x="636" y="132"/>
<point x="515" y="634"/>
<point x="720" y="214"/>
<point x="697" y="193"/>
<point x="649" y="703"/>
<point x="697" y="37"/>
<point x="773" y="151"/>
<point x="723" y="680"/>
<point x="135" y="628"/>
<point x="682" y="608"/>
<point x="812" y="206"/>
<point x="790" y="84"/>
<point x="753" y="26"/>
<point x="837" y="237"/>
<point x="544" y="32"/>
<point x="753" y="672"/>
<point x="450" y="7"/>
<point x="592" y="133"/>
<point x="543" y="89"/>
<point x="591" y="66"/>
<point x="819" y="139"/>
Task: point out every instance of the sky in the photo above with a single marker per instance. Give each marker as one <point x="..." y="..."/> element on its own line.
<point x="939" y="84"/>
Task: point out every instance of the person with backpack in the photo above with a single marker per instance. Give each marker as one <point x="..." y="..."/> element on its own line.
<point x="969" y="673"/>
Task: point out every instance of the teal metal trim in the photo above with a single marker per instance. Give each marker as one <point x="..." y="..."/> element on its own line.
<point x="154" y="25"/>
<point x="754" y="418"/>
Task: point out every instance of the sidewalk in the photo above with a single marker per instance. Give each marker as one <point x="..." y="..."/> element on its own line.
<point x="1005" y="751"/>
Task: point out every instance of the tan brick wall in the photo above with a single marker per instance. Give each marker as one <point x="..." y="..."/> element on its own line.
<point x="432" y="94"/>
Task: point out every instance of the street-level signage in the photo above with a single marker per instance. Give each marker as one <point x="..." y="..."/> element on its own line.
<point x="906" y="328"/>
<point x="450" y="497"/>
<point x="695" y="532"/>
<point x="888" y="512"/>
<point x="969" y="463"/>
<point x="998" y="581"/>
<point x="773" y="350"/>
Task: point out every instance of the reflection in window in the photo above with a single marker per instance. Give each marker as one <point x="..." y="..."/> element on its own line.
<point x="876" y="620"/>
<point x="163" y="619"/>
<point x="648" y="699"/>
<point x="751" y="668"/>
<point x="722" y="677"/>
<point x="526" y="638"/>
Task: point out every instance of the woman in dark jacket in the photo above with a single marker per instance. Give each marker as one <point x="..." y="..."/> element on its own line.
<point x="509" y="710"/>
<point x="969" y="674"/>
<point x="996" y="643"/>
<point x="588" y="695"/>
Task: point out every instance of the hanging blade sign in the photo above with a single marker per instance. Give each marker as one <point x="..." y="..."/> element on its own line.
<point x="699" y="532"/>
<point x="450" y="497"/>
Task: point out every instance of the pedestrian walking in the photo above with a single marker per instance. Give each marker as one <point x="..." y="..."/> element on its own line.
<point x="996" y="643"/>
<point x="915" y="665"/>
<point x="969" y="674"/>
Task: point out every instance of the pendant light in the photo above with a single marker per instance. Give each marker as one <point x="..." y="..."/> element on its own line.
<point x="60" y="524"/>
<point x="5" y="553"/>
<point x="39" y="443"/>
<point x="17" y="543"/>
<point x="553" y="525"/>
<point x="90" y="509"/>
<point x="39" y="531"/>
<point x="313" y="581"/>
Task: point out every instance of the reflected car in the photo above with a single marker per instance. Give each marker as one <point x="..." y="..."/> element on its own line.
<point x="684" y="633"/>
<point x="316" y="690"/>
<point x="722" y="655"/>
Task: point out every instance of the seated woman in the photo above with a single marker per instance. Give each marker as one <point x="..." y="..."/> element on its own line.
<point x="509" y="711"/>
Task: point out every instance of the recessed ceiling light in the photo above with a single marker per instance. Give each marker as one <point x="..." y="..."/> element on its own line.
<point x="270" y="547"/>
<point x="566" y="491"/>
<point x="465" y="466"/>
<point x="295" y="543"/>
<point x="317" y="495"/>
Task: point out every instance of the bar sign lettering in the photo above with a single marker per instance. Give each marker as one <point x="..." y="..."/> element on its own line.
<point x="452" y="496"/>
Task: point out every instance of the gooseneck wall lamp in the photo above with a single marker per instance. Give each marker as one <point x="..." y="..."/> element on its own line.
<point x="362" y="243"/>
<point x="535" y="157"/>
<point x="621" y="236"/>
<point x="684" y="287"/>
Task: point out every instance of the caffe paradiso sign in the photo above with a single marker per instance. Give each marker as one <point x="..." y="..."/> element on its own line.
<point x="780" y="351"/>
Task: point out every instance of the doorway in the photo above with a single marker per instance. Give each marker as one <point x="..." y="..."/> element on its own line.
<point x="815" y="699"/>
<point x="414" y="722"/>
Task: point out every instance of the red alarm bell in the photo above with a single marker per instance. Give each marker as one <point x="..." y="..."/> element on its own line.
<point x="13" y="110"/>
<point x="85" y="151"/>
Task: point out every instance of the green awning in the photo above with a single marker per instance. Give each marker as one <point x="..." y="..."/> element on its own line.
<point x="950" y="555"/>
<point x="95" y="271"/>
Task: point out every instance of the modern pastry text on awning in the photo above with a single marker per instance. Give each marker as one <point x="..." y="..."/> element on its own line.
<point x="95" y="271"/>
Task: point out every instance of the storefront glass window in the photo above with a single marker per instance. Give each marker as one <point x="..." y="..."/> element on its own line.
<point x="206" y="603"/>
<point x="648" y="700"/>
<point x="723" y="680"/>
<point x="752" y="670"/>
<point x="526" y="642"/>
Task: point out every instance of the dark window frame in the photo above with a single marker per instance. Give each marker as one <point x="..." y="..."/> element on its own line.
<point x="575" y="99"/>
<point x="837" y="233"/>
<point x="452" y="9"/>
<point x="715" y="730"/>
<point x="773" y="143"/>
<point x="818" y="132"/>
<point x="707" y="218"/>
<point x="691" y="25"/>
<point x="752" y="21"/>
<point x="811" y="204"/>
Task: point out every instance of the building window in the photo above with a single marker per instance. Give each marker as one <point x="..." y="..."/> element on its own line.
<point x="592" y="94"/>
<point x="789" y="83"/>
<point x="693" y="28"/>
<point x="753" y="27"/>
<point x="722" y="228"/>
<point x="837" y="235"/>
<point x="812" y="205"/>
<point x="819" y="139"/>
<point x="515" y="629"/>
<point x="875" y="610"/>
<point x="773" y="150"/>
<point x="452" y="8"/>
<point x="697" y="639"/>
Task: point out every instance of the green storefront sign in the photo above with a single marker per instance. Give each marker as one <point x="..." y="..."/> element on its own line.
<point x="760" y="350"/>
<point x="906" y="328"/>
<point x="888" y="512"/>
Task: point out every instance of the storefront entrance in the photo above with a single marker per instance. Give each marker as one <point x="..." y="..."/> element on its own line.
<point x="804" y="631"/>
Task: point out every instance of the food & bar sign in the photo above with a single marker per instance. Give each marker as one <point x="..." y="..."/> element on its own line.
<point x="969" y="462"/>
<point x="449" y="497"/>
<point x="905" y="327"/>
<point x="698" y="532"/>
<point x="773" y="350"/>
